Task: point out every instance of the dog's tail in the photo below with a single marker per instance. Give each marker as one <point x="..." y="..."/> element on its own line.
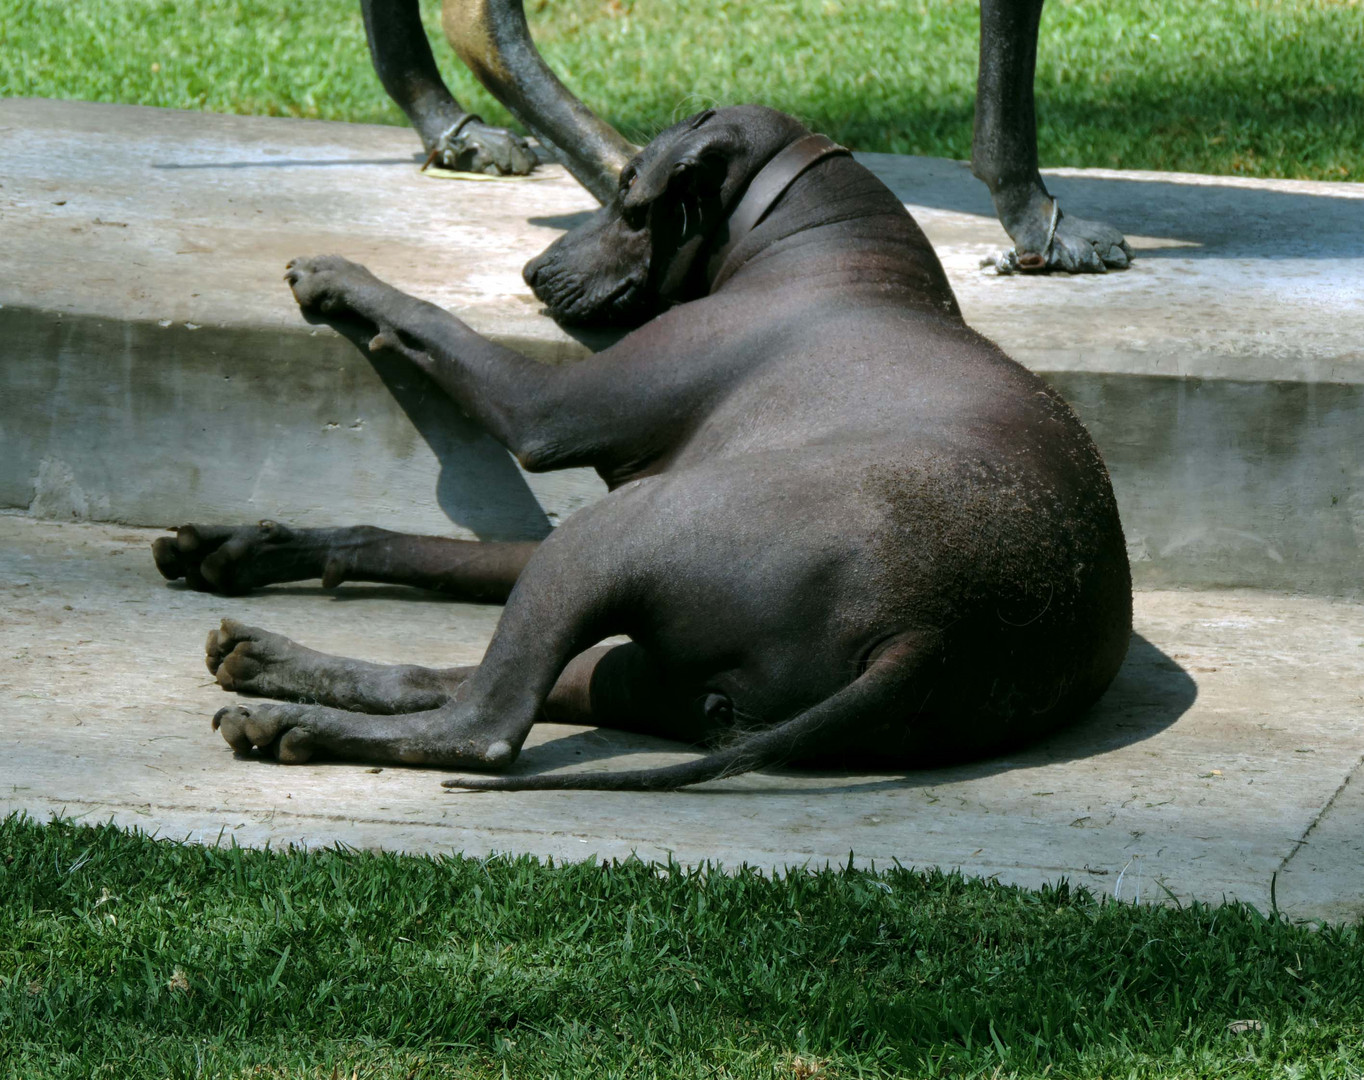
<point x="894" y="685"/>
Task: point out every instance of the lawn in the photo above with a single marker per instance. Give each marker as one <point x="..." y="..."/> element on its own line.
<point x="1256" y="87"/>
<point x="128" y="957"/>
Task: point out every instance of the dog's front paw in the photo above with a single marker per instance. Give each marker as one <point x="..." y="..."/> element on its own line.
<point x="328" y="284"/>
<point x="477" y="147"/>
<point x="234" y="559"/>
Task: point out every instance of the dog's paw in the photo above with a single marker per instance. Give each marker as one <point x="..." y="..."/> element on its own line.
<point x="328" y="284"/>
<point x="1046" y="240"/>
<point x="250" y="660"/>
<point x="1087" y="247"/>
<point x="275" y="730"/>
<point x="231" y="559"/>
<point x="477" y="147"/>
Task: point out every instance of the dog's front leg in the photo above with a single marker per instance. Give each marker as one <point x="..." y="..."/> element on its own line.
<point x="497" y="387"/>
<point x="234" y="559"/>
<point x="1004" y="153"/>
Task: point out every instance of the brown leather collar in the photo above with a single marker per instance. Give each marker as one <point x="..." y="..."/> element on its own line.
<point x="765" y="189"/>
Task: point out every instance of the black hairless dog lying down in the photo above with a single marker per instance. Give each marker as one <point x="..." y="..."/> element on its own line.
<point x="842" y="524"/>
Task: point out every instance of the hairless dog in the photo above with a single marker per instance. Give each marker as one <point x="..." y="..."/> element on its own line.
<point x="492" y="38"/>
<point x="841" y="523"/>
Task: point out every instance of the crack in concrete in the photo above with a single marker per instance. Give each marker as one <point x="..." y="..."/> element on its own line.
<point x="1320" y="816"/>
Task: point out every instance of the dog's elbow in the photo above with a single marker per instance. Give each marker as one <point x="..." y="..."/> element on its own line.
<point x="540" y="455"/>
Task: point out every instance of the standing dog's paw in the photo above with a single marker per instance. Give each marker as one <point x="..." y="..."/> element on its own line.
<point x="1047" y="240"/>
<point x="1087" y="247"/>
<point x="477" y="147"/>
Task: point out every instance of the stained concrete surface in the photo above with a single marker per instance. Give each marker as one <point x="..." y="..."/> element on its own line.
<point x="1227" y="751"/>
<point x="143" y="320"/>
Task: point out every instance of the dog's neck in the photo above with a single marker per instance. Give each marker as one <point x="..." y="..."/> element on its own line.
<point x="766" y="187"/>
<point x="840" y="223"/>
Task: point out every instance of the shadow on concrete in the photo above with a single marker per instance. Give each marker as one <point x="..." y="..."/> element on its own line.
<point x="281" y="163"/>
<point x="562" y="222"/>
<point x="1150" y="693"/>
<point x="1208" y="221"/>
<point x="479" y="486"/>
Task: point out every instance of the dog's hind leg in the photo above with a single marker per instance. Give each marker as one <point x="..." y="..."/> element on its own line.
<point x="613" y="686"/>
<point x="233" y="559"/>
<point x="1004" y="152"/>
<point x="885" y="697"/>
<point x="576" y="591"/>
<point x="492" y="38"/>
<point x="452" y="136"/>
<point x="250" y="660"/>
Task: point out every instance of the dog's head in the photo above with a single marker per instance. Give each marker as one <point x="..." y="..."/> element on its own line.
<point x="645" y="249"/>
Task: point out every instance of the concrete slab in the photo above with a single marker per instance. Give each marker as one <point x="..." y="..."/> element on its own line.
<point x="142" y="321"/>
<point x="1227" y="751"/>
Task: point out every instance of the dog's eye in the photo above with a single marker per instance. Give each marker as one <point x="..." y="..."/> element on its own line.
<point x="627" y="178"/>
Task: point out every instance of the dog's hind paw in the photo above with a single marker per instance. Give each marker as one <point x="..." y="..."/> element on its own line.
<point x="250" y="660"/>
<point x="272" y="729"/>
<point x="1070" y="245"/>
<point x="475" y="147"/>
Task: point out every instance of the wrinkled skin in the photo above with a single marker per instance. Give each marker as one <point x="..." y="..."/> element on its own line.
<point x="841" y="524"/>
<point x="492" y="38"/>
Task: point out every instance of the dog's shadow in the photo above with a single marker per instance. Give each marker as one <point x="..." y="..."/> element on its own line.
<point x="1150" y="693"/>
<point x="1197" y="218"/>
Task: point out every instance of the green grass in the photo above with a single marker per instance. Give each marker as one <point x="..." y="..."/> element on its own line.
<point x="1258" y="87"/>
<point x="128" y="957"/>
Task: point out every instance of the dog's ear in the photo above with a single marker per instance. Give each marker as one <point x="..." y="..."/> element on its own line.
<point x="698" y="156"/>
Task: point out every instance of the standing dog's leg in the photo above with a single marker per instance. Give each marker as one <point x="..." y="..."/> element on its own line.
<point x="492" y="37"/>
<point x="233" y="559"/>
<point x="1004" y="153"/>
<point x="454" y="137"/>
